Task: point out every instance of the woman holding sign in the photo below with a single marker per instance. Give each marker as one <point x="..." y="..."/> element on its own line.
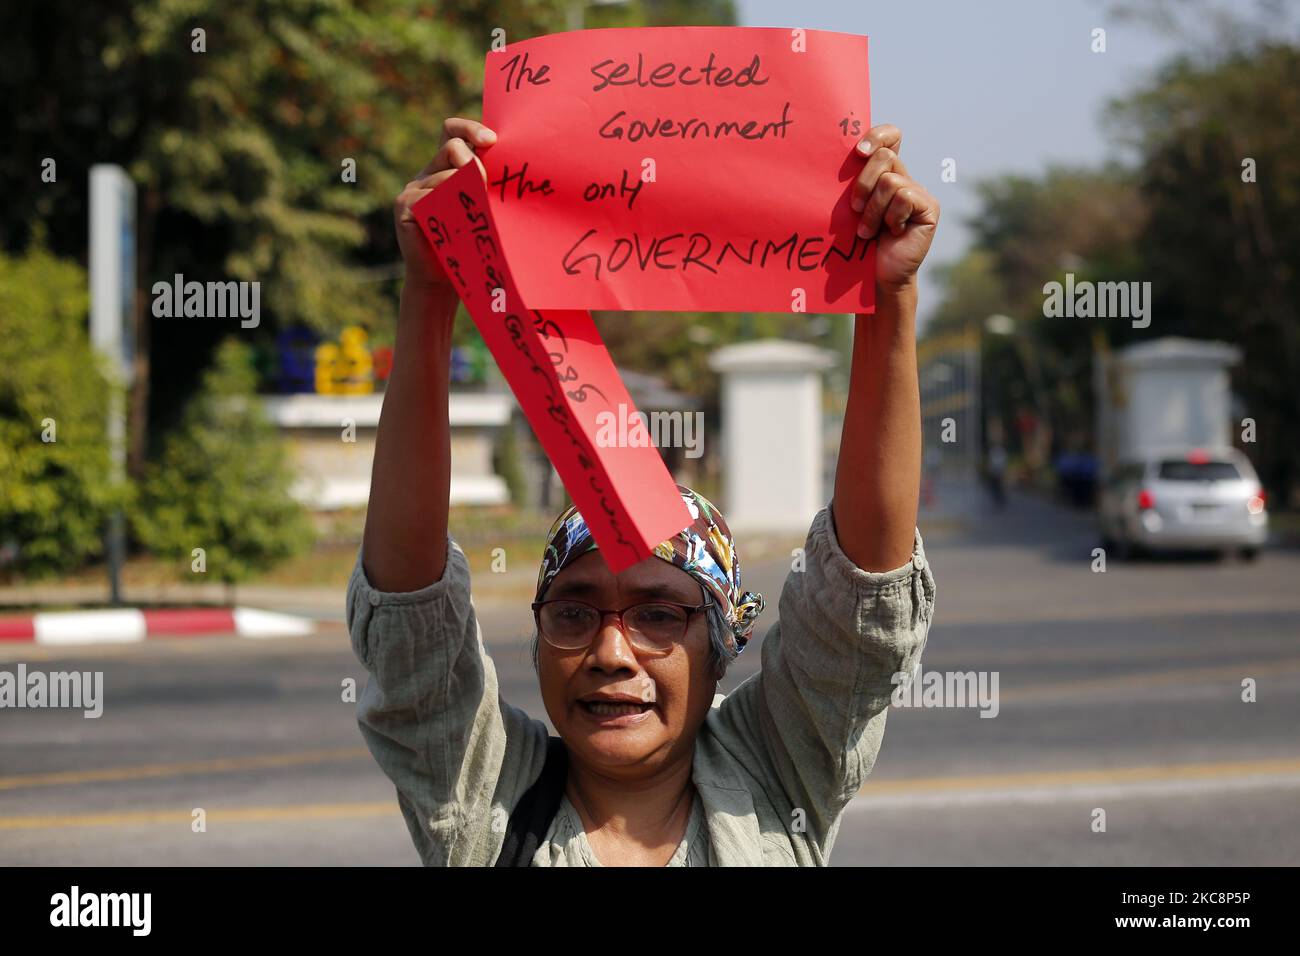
<point x="651" y="767"/>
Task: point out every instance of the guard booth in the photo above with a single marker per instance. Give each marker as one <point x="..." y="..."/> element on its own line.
<point x="1169" y="393"/>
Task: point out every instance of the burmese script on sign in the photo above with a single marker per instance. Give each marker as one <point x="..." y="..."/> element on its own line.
<point x="562" y="376"/>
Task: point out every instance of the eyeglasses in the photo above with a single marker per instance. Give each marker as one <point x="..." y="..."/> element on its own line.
<point x="652" y="628"/>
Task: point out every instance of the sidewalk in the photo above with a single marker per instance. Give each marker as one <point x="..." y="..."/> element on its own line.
<point x="956" y="505"/>
<point x="512" y="586"/>
<point x="315" y="602"/>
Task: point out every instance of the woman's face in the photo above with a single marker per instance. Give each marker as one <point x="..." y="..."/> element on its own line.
<point x="678" y="686"/>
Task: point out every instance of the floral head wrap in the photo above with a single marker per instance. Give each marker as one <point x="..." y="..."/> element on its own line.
<point x="704" y="549"/>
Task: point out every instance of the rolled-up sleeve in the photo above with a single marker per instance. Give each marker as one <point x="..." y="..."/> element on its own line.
<point x="814" y="716"/>
<point x="431" y="714"/>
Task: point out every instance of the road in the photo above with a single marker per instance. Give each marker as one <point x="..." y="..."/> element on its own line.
<point x="1119" y="691"/>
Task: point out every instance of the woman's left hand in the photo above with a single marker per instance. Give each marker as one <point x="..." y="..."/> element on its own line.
<point x="893" y="207"/>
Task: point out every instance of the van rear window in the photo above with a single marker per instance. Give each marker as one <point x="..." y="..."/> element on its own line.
<point x="1198" y="471"/>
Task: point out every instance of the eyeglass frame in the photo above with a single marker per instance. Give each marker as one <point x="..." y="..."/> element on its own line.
<point x="603" y="612"/>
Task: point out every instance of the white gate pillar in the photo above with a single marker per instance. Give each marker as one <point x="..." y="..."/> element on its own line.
<point x="772" y="433"/>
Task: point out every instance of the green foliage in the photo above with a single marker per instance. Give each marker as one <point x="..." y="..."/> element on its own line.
<point x="509" y="465"/>
<point x="972" y="290"/>
<point x="238" y="150"/>
<point x="676" y="345"/>
<point x="223" y="480"/>
<point x="54" y="495"/>
<point x="1221" y="252"/>
<point x="1030" y="232"/>
<point x="1039" y="229"/>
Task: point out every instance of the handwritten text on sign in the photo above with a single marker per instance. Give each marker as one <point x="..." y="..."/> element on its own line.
<point x="688" y="168"/>
<point x="681" y="169"/>
<point x="562" y="377"/>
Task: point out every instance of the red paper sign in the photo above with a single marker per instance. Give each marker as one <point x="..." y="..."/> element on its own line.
<point x="682" y="169"/>
<point x="562" y="377"/>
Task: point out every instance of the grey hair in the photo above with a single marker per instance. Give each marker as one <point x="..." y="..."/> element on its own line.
<point x="720" y="656"/>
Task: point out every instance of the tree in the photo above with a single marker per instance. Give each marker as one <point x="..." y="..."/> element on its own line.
<point x="1028" y="232"/>
<point x="238" y="139"/>
<point x="239" y="149"/>
<point x="1221" y="175"/>
<point x="1210" y="216"/>
<point x="223" y="482"/>
<point x="55" y="490"/>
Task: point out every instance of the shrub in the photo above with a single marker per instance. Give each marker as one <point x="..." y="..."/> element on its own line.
<point x="223" y="482"/>
<point x="55" y="477"/>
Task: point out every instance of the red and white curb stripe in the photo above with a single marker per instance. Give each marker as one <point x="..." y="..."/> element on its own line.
<point x="128" y="625"/>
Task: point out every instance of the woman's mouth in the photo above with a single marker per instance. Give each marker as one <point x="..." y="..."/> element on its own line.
<point x="616" y="713"/>
<point x="603" y="709"/>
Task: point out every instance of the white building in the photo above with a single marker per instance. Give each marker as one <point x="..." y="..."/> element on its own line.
<point x="334" y="472"/>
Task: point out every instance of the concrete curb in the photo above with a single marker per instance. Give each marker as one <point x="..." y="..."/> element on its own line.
<point x="129" y="625"/>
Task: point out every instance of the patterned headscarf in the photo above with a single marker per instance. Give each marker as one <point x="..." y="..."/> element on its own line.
<point x="704" y="550"/>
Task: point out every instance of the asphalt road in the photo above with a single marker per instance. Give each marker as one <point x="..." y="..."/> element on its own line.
<point x="1118" y="691"/>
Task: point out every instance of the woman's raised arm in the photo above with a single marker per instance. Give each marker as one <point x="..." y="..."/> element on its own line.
<point x="405" y="542"/>
<point x="878" y="476"/>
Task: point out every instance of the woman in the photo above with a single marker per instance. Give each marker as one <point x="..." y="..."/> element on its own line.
<point x="651" y="767"/>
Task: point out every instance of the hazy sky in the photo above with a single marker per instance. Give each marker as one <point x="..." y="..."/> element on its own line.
<point x="998" y="85"/>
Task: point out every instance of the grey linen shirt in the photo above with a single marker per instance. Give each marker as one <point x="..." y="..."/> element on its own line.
<point x="775" y="763"/>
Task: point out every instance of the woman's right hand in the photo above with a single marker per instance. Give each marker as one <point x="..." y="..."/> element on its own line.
<point x="460" y="138"/>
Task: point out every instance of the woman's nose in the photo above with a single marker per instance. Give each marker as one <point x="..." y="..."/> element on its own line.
<point x="610" y="648"/>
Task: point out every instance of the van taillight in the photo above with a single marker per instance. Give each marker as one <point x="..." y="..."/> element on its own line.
<point x="1255" y="505"/>
<point x="1146" y="500"/>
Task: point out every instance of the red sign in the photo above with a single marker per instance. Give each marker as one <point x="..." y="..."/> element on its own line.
<point x="561" y="375"/>
<point x="682" y="169"/>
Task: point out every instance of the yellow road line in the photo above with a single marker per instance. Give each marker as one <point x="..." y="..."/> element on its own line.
<point x="916" y="785"/>
<point x="148" y="771"/>
<point x="293" y="813"/>
<point x="1101" y="775"/>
